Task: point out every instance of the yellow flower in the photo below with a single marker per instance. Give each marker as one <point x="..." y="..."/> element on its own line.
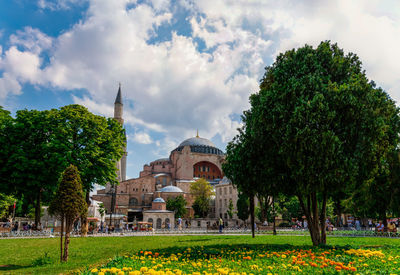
<point x="143" y="269"/>
<point x="94" y="270"/>
<point x="100" y="273"/>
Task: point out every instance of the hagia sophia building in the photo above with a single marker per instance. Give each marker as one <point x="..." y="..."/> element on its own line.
<point x="144" y="198"/>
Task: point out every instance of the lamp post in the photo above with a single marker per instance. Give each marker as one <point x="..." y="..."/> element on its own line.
<point x="112" y="192"/>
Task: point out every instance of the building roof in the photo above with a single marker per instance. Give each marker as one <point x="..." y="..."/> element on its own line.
<point x="199" y="145"/>
<point x="171" y="189"/>
<point x="161" y="160"/>
<point x="159" y="200"/>
<point x="118" y="99"/>
<point x="197" y="141"/>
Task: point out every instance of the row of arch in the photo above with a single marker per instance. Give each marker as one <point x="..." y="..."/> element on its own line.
<point x="159" y="223"/>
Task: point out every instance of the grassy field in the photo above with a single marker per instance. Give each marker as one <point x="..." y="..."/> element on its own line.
<point x="40" y="256"/>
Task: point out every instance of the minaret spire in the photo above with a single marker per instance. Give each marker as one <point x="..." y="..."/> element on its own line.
<point x="118" y="112"/>
<point x="197" y="133"/>
<point x="118" y="99"/>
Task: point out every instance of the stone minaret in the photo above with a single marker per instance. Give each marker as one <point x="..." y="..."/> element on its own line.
<point x="118" y="111"/>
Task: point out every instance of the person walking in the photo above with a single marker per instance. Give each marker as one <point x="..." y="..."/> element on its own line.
<point x="221" y="224"/>
<point x="179" y="223"/>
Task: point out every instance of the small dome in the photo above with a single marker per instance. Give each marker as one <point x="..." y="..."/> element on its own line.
<point x="197" y="141"/>
<point x="171" y="189"/>
<point x="159" y="200"/>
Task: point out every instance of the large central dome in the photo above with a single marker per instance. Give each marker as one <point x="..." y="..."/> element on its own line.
<point x="199" y="145"/>
<point x="196" y="141"/>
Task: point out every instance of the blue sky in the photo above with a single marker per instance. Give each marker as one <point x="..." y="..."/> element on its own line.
<point x="183" y="64"/>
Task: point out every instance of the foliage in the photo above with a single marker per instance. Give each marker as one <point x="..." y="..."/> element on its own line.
<point x="68" y="203"/>
<point x="178" y="205"/>
<point x="102" y="210"/>
<point x="202" y="191"/>
<point x="43" y="260"/>
<point x="6" y="122"/>
<point x="230" y="209"/>
<point x="92" y="143"/>
<point x="320" y="125"/>
<point x="243" y="206"/>
<point x="33" y="165"/>
<point x="5" y="203"/>
<point x="288" y="207"/>
<point x="38" y="145"/>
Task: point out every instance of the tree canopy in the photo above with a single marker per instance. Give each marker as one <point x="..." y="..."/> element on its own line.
<point x="319" y="124"/>
<point x="68" y="204"/>
<point x="178" y="205"/>
<point x="202" y="192"/>
<point x="36" y="146"/>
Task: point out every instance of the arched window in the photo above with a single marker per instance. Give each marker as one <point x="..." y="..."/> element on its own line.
<point x="158" y="225"/>
<point x="166" y="222"/>
<point x="133" y="201"/>
<point x="150" y="220"/>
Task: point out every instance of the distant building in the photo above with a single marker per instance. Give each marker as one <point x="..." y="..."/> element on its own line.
<point x="163" y="178"/>
<point x="224" y="193"/>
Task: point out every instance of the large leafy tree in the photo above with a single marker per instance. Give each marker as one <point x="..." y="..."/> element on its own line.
<point x="90" y="142"/>
<point x="326" y="123"/>
<point x="246" y="166"/>
<point x="6" y="122"/>
<point x="68" y="204"/>
<point x="202" y="191"/>
<point x="178" y="205"/>
<point x="33" y="166"/>
<point x="38" y="145"/>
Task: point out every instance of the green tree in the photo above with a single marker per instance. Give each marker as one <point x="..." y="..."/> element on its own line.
<point x="6" y="202"/>
<point x="321" y="125"/>
<point x="33" y="166"/>
<point x="6" y="122"/>
<point x="90" y="142"/>
<point x="178" y="205"/>
<point x="68" y="204"/>
<point x="202" y="191"/>
<point x="243" y="206"/>
<point x="102" y="211"/>
<point x="289" y="208"/>
<point x="230" y="209"/>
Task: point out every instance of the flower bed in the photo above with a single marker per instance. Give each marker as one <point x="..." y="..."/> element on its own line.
<point x="255" y="259"/>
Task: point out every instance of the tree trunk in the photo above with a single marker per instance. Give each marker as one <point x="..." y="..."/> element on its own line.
<point x="61" y="237"/>
<point x="323" y="218"/>
<point x="313" y="219"/>
<point x="68" y="228"/>
<point x="338" y="211"/>
<point x="84" y="222"/>
<point x="38" y="208"/>
<point x="273" y="213"/>
<point x="252" y="220"/>
<point x="384" y="219"/>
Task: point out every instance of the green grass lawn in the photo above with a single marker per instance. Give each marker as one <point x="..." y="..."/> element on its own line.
<point x="27" y="256"/>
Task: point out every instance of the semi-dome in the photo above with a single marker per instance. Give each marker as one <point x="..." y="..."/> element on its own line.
<point x="171" y="189"/>
<point x="200" y="145"/>
<point x="159" y="200"/>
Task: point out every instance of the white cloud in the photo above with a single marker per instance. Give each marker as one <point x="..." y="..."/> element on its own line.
<point x="32" y="40"/>
<point x="141" y="137"/>
<point x="59" y="4"/>
<point x="174" y="88"/>
<point x="8" y="85"/>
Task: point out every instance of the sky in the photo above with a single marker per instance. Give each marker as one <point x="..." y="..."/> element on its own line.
<point x="183" y="65"/>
